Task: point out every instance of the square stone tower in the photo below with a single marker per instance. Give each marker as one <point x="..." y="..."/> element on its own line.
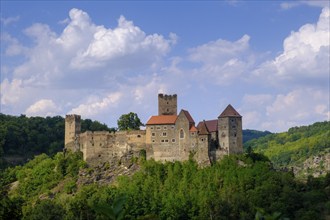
<point x="167" y="104"/>
<point x="72" y="131"/>
<point x="230" y="133"/>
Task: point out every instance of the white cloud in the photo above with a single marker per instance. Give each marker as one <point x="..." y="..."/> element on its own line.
<point x="96" y="105"/>
<point x="281" y="111"/>
<point x="305" y="58"/>
<point x="257" y="100"/>
<point x="297" y="107"/>
<point x="102" y="72"/>
<point x="54" y="60"/>
<point x="43" y="107"/>
<point x="222" y="61"/>
<point x="13" y="46"/>
<point x="126" y="40"/>
<point x="10" y="91"/>
<point x="9" y="20"/>
<point x="314" y="3"/>
<point x="219" y="51"/>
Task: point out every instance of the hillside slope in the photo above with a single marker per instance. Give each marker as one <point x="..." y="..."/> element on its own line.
<point x="238" y="187"/>
<point x="306" y="149"/>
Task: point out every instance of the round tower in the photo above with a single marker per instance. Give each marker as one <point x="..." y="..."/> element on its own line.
<point x="167" y="104"/>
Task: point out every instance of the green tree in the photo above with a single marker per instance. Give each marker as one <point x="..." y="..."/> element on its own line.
<point x="44" y="209"/>
<point x="129" y="121"/>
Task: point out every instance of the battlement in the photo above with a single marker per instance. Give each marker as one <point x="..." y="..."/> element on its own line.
<point x="167" y="104"/>
<point x="167" y="97"/>
<point x="73" y="117"/>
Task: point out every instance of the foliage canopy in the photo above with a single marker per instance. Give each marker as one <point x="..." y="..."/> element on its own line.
<point x="129" y="121"/>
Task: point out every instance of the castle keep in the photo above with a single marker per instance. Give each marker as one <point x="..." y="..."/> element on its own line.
<point x="168" y="136"/>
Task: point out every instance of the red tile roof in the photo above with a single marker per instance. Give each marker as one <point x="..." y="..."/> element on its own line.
<point x="162" y="120"/>
<point x="212" y="125"/>
<point x="202" y="128"/>
<point x="229" y="112"/>
<point x="187" y="114"/>
<point x="193" y="129"/>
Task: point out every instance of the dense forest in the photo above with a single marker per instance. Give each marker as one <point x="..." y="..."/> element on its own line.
<point x="238" y="187"/>
<point x="294" y="147"/>
<point x="23" y="137"/>
<point x="249" y="134"/>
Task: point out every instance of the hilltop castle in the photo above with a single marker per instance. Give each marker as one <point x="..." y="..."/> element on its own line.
<point x="168" y="136"/>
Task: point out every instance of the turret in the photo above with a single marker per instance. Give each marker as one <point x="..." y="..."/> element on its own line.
<point x="230" y="132"/>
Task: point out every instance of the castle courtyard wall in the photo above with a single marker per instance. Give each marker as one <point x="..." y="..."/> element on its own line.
<point x="101" y="146"/>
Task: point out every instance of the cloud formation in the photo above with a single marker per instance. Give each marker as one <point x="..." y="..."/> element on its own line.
<point x="102" y="72"/>
<point x="44" y="107"/>
<point x="305" y="57"/>
<point x="222" y="61"/>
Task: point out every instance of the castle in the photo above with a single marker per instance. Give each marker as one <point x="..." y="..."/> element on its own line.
<point x="168" y="136"/>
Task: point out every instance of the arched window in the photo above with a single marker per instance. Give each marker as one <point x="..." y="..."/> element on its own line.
<point x="181" y="134"/>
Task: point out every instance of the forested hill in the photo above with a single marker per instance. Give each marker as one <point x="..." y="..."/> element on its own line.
<point x="305" y="148"/>
<point x="253" y="134"/>
<point x="237" y="187"/>
<point x="23" y="137"/>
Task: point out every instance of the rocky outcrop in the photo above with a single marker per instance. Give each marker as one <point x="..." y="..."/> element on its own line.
<point x="107" y="172"/>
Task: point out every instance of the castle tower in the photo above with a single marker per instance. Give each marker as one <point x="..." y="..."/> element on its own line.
<point x="72" y="130"/>
<point x="167" y="104"/>
<point x="230" y="132"/>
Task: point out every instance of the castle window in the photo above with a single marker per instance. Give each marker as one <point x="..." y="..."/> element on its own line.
<point x="181" y="134"/>
<point x="173" y="126"/>
<point x="162" y="141"/>
<point x="166" y="140"/>
<point x="167" y="110"/>
<point x="234" y="134"/>
<point x="152" y="128"/>
<point x="158" y="128"/>
<point x="173" y="140"/>
<point x="139" y="136"/>
<point x="153" y="140"/>
<point x="165" y="127"/>
<point x="153" y="134"/>
<point x="164" y="134"/>
<point x="202" y="139"/>
<point x="167" y="103"/>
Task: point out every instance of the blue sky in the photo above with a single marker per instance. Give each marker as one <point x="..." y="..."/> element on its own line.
<point x="100" y="59"/>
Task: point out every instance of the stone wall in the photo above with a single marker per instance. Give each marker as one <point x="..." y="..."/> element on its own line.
<point x="102" y="146"/>
<point x="167" y="104"/>
<point x="72" y="130"/>
<point x="202" y="155"/>
<point x="230" y="134"/>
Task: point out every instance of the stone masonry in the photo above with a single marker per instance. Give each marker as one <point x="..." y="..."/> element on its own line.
<point x="167" y="137"/>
